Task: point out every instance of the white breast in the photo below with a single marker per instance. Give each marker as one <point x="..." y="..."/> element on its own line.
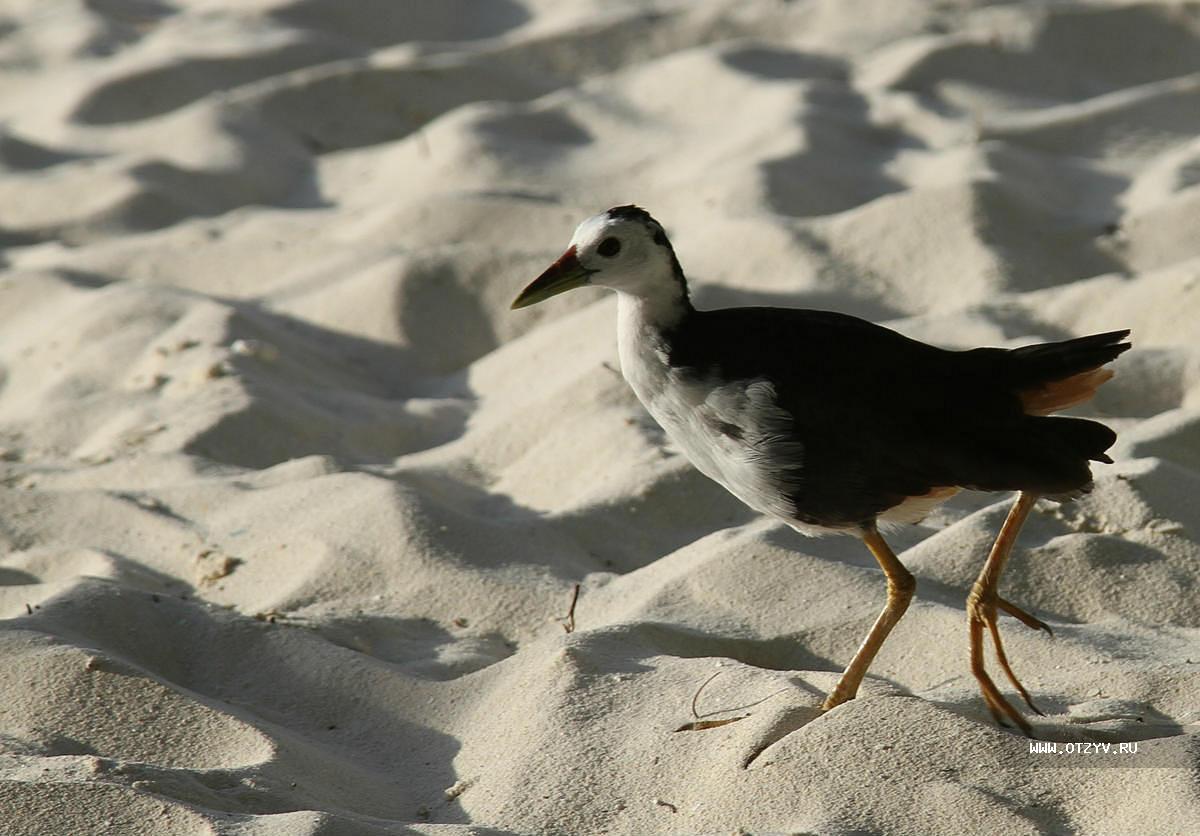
<point x="732" y="431"/>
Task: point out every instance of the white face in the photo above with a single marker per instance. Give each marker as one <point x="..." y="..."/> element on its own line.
<point x="623" y="249"/>
<point x="623" y="254"/>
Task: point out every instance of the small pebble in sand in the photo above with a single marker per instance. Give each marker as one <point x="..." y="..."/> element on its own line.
<point x="264" y="351"/>
<point x="456" y="789"/>
<point x="211" y="566"/>
<point x="149" y="503"/>
<point x="216" y="370"/>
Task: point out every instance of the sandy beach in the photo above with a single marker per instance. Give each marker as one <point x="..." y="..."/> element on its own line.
<point x="292" y="506"/>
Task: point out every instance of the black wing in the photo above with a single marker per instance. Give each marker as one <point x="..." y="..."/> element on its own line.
<point x="882" y="417"/>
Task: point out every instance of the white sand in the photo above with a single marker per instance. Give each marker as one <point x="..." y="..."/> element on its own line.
<point x="290" y="500"/>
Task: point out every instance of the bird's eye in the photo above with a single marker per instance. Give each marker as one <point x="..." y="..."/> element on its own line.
<point x="609" y="247"/>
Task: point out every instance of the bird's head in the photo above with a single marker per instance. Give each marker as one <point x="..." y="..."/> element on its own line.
<point x="623" y="249"/>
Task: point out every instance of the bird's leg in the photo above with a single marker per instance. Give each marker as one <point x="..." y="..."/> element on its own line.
<point x="981" y="612"/>
<point x="900" y="586"/>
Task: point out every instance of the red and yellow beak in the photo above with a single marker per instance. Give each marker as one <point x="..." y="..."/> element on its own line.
<point x="565" y="274"/>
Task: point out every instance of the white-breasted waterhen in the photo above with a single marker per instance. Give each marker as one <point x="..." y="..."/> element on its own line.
<point x="834" y="424"/>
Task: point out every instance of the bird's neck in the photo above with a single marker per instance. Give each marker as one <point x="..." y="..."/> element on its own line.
<point x="646" y="324"/>
<point x="660" y="305"/>
<point x="659" y="312"/>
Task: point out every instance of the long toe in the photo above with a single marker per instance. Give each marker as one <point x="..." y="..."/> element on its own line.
<point x="1002" y="657"/>
<point x="1022" y="616"/>
<point x="980" y="615"/>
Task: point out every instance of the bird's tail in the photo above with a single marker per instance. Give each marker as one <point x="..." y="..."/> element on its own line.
<point x="1054" y="376"/>
<point x="1058" y="450"/>
<point x="1074" y="439"/>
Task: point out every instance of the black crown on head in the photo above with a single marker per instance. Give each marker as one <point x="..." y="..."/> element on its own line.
<point x="629" y="212"/>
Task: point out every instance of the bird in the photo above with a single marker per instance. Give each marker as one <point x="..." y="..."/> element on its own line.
<point x="834" y="424"/>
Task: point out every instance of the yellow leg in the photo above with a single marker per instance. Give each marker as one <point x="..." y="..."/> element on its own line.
<point x="900" y="586"/>
<point x="981" y="612"/>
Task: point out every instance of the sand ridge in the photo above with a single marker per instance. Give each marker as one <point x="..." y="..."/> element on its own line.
<point x="291" y="504"/>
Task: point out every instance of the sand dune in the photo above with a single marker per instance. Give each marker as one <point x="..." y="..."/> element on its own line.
<point x="291" y="504"/>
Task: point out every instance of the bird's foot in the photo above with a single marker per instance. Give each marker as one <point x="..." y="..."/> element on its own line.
<point x="981" y="612"/>
<point x="835" y="698"/>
